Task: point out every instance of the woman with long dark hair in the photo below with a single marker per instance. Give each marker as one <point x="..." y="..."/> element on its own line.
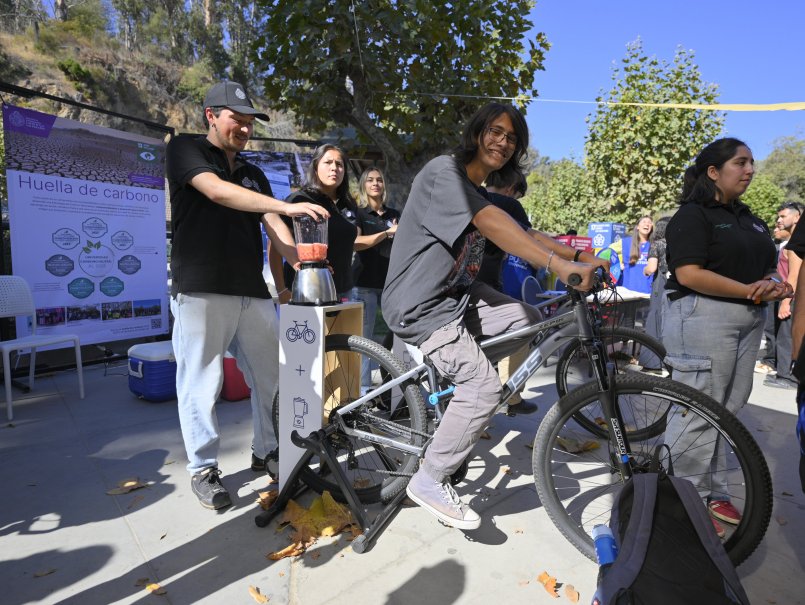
<point x="432" y="300"/>
<point x="325" y="184"/>
<point x="723" y="272"/>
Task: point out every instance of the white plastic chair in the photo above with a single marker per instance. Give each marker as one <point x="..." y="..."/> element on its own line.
<point x="16" y="300"/>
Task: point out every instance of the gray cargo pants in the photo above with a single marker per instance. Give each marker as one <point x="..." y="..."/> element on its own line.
<point x="454" y="352"/>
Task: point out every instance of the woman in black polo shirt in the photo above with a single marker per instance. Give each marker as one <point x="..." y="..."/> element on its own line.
<point x="723" y="270"/>
<point x="377" y="224"/>
<point x="326" y="185"/>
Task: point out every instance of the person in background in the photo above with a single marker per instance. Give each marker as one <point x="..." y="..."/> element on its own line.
<point x="377" y="223"/>
<point x="326" y="185"/>
<point x="634" y="276"/>
<point x="796" y="246"/>
<point x="723" y="269"/>
<point x="433" y="301"/>
<point x="504" y="188"/>
<point x="767" y="354"/>
<point x="788" y="216"/>
<point x="657" y="266"/>
<point x="219" y="299"/>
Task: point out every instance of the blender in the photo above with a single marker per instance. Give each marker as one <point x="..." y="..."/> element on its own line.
<point x="313" y="284"/>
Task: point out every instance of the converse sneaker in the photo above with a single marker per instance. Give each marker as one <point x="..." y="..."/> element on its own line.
<point x="724" y="511"/>
<point x="441" y="500"/>
<point x="209" y="490"/>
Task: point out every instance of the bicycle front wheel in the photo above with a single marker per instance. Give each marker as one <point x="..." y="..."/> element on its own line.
<point x="578" y="480"/>
<point x="378" y="472"/>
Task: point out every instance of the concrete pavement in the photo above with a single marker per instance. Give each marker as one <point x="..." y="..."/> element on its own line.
<point x="64" y="540"/>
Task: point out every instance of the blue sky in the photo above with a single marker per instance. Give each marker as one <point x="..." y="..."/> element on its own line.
<point x="754" y="51"/>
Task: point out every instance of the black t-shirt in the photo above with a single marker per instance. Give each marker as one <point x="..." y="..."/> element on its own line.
<point x="724" y="238"/>
<point x="215" y="249"/>
<point x="493" y="256"/>
<point x="372" y="264"/>
<point x="797" y="242"/>
<point x="341" y="234"/>
<point x="437" y="251"/>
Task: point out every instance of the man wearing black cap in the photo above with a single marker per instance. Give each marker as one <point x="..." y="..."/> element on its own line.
<point x="219" y="299"/>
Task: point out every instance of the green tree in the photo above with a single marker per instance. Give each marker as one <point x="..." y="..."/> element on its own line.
<point x="785" y="166"/>
<point x="405" y="74"/>
<point x="636" y="156"/>
<point x="764" y="197"/>
<point x="558" y="198"/>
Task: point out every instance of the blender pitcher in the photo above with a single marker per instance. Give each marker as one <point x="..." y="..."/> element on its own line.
<point x="313" y="284"/>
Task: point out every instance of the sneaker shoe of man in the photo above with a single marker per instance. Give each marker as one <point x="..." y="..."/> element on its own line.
<point x="779" y="383"/>
<point x="720" y="531"/>
<point x="762" y="368"/>
<point x="524" y="407"/>
<point x="725" y="511"/>
<point x="209" y="490"/>
<point x="441" y="500"/>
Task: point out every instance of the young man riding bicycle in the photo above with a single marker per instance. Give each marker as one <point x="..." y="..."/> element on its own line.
<point x="431" y="298"/>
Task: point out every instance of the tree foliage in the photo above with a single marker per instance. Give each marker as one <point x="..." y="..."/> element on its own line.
<point x="558" y="197"/>
<point x="764" y="197"/>
<point x="405" y="74"/>
<point x="636" y="156"/>
<point x="785" y="166"/>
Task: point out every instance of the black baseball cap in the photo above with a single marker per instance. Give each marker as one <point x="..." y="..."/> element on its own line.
<point x="232" y="96"/>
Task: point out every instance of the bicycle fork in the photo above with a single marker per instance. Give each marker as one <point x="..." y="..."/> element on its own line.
<point x="621" y="454"/>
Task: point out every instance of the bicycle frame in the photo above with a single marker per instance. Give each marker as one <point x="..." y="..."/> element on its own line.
<point x="547" y="336"/>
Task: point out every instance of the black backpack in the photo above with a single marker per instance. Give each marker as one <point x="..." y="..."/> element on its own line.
<point x="669" y="553"/>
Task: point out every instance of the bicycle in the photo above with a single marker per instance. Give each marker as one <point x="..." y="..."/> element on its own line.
<point x="589" y="443"/>
<point x="300" y="331"/>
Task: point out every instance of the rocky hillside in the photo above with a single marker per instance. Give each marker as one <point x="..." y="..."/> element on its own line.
<point x="119" y="81"/>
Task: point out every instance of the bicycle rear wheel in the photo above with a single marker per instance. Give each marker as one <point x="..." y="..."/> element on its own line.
<point x="577" y="478"/>
<point x="377" y="472"/>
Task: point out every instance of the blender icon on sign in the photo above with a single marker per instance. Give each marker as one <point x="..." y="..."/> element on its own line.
<point x="299" y="411"/>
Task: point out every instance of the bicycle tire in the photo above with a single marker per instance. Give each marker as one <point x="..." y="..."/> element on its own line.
<point x="626" y="348"/>
<point x="578" y="488"/>
<point x="377" y="473"/>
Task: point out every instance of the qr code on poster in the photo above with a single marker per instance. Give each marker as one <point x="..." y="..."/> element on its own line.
<point x="156" y="323"/>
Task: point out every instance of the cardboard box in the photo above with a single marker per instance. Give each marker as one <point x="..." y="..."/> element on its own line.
<point x="152" y="371"/>
<point x="603" y="234"/>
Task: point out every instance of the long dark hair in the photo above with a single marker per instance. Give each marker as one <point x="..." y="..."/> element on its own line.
<point x="634" y="250"/>
<point x="698" y="187"/>
<point x="312" y="173"/>
<point x="477" y="126"/>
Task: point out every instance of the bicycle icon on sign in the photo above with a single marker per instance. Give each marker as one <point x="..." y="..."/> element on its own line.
<point x="300" y="331"/>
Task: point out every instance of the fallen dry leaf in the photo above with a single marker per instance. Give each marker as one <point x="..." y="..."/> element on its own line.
<point x="163" y="536"/>
<point x="126" y="486"/>
<point x="155" y="589"/>
<point x="571" y="593"/>
<point x="549" y="583"/>
<point x="787" y="494"/>
<point x="361" y="483"/>
<point x="530" y="446"/>
<point x="507" y="470"/>
<point x="485" y="435"/>
<point x="136" y="500"/>
<point x="575" y="446"/>
<point x="266" y="499"/>
<point x="292" y="550"/>
<point x="282" y="574"/>
<point x="781" y="520"/>
<point x="258" y="596"/>
<point x="43" y="573"/>
<point x="141" y="581"/>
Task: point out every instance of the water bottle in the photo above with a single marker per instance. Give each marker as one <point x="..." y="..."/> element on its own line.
<point x="605" y="548"/>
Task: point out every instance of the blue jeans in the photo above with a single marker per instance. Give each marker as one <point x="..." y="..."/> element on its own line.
<point x="205" y="327"/>
<point x="370" y="297"/>
<point x="711" y="346"/>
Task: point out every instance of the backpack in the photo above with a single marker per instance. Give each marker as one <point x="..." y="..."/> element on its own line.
<point x="669" y="553"/>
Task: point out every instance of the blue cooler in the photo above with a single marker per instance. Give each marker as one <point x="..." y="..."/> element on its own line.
<point x="152" y="371"/>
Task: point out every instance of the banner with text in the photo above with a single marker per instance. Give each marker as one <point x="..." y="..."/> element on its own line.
<point x="87" y="226"/>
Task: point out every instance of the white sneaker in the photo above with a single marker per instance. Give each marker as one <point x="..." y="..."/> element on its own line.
<point x="441" y="500"/>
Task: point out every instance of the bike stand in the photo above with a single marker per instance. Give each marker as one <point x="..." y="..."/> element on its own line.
<point x="316" y="444"/>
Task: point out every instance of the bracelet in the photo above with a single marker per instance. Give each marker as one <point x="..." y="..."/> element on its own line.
<point x="576" y="256"/>
<point x="548" y="265"/>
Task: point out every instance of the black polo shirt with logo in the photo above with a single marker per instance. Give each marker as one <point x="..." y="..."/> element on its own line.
<point x="215" y="249"/>
<point x="374" y="261"/>
<point x="724" y="238"/>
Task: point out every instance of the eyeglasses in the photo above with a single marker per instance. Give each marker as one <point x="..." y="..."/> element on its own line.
<point x="497" y="135"/>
